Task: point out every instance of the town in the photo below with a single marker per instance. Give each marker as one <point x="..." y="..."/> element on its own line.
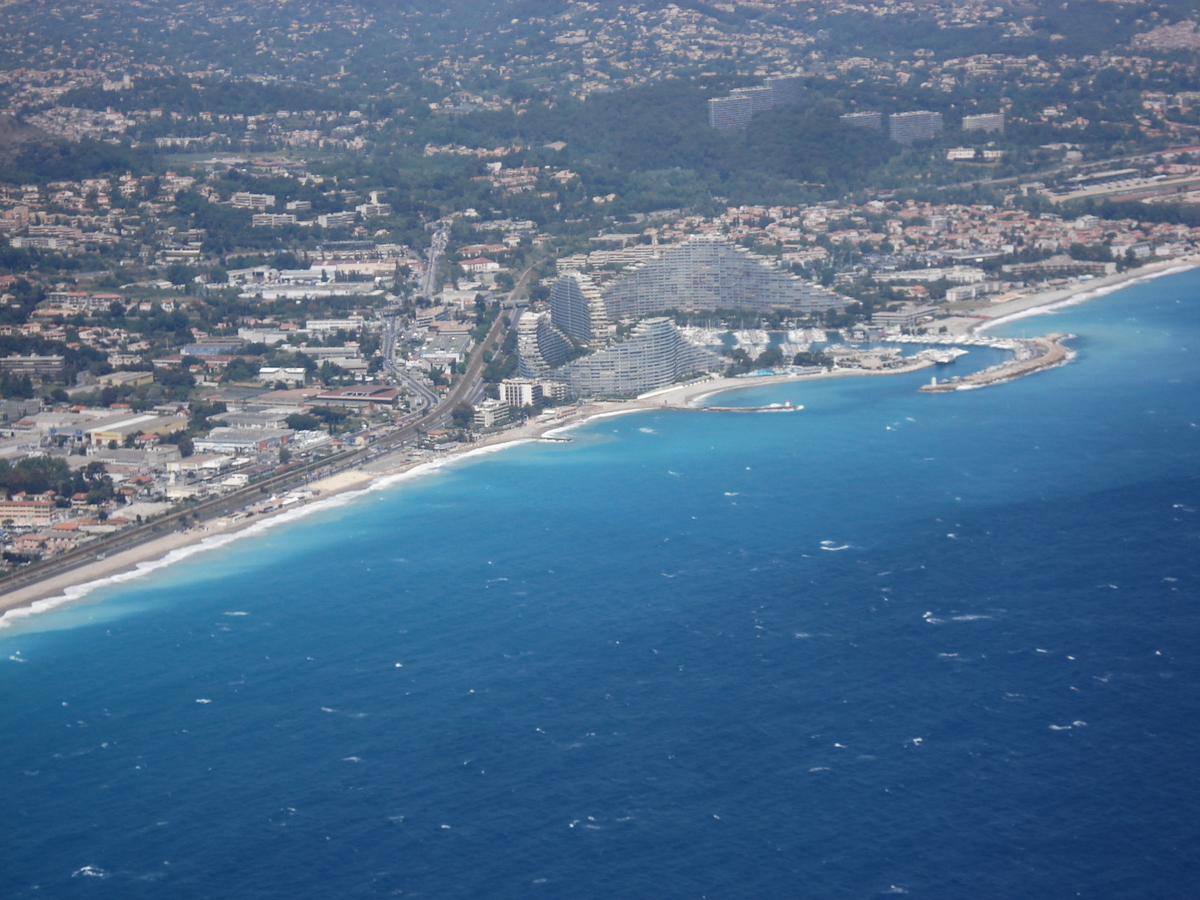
<point x="225" y="278"/>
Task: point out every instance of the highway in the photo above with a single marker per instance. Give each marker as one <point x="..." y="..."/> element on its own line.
<point x="468" y="386"/>
<point x="1027" y="177"/>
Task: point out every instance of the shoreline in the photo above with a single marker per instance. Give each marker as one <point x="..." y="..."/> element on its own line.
<point x="76" y="585"/>
<point x="1043" y="302"/>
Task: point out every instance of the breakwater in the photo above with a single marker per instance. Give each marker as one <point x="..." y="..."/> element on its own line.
<point x="1030" y="355"/>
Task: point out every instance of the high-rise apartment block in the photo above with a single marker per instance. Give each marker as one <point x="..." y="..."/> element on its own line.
<point x="985" y="122"/>
<point x="654" y="355"/>
<point x="577" y="309"/>
<point x="540" y="346"/>
<point x="707" y="272"/>
<point x="865" y="119"/>
<point x="733" y="111"/>
<point x="521" y="391"/>
<point x="786" y="90"/>
<point x="760" y="97"/>
<point x="913" y="126"/>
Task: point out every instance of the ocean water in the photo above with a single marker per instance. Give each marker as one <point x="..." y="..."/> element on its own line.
<point x="938" y="645"/>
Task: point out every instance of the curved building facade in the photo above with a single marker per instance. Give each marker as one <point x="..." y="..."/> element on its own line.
<point x="707" y="273"/>
<point x="654" y="355"/>
<point x="577" y="309"/>
<point x="540" y="346"/>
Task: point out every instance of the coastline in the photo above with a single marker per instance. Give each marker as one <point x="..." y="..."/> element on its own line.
<point x="1043" y="302"/>
<point x="77" y="584"/>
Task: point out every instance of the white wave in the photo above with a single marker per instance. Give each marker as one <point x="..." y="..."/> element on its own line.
<point x="832" y="546"/>
<point x="569" y="426"/>
<point x="351" y="759"/>
<point x="647" y="431"/>
<point x="90" y="872"/>
<point x="968" y="618"/>
<point x="214" y="542"/>
<point x="1083" y="297"/>
<point x="238" y="613"/>
<point x="203" y="700"/>
<point x="819" y="769"/>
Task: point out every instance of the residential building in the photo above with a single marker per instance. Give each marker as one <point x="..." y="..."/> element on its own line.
<point x="540" y="345"/>
<point x="577" y="309"/>
<point x="786" y="90"/>
<point x="915" y="125"/>
<point x="26" y="512"/>
<point x="993" y="122"/>
<point x="707" y="272"/>
<point x="247" y="200"/>
<point x="336" y="220"/>
<point x="654" y="355"/>
<point x="489" y="413"/>
<point x="272" y="220"/>
<point x="865" y="119"/>
<point x="733" y="111"/>
<point x="761" y="98"/>
<point x="520" y="392"/>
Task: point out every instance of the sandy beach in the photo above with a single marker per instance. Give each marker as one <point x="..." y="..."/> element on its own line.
<point x="76" y="584"/>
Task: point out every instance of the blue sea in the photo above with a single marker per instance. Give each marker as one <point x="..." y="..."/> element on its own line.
<point x="895" y="643"/>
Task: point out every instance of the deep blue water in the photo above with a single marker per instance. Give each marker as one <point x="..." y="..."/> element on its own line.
<point x="946" y="645"/>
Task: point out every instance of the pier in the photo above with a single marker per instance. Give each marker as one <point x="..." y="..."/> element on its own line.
<point x="774" y="407"/>
<point x="1032" y="355"/>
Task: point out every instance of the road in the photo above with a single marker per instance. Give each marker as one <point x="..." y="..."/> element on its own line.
<point x="1056" y="170"/>
<point x="436" y="248"/>
<point x="468" y="387"/>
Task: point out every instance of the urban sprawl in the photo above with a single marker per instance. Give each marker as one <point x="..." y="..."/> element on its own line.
<point x="244" y="248"/>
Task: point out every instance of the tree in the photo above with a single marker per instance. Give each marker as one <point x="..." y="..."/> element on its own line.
<point x="303" y="422"/>
<point x="34" y="474"/>
<point x="462" y="414"/>
<point x="182" y="440"/>
<point x="178" y="273"/>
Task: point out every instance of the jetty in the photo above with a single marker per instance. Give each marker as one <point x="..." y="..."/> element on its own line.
<point x="1030" y="355"/>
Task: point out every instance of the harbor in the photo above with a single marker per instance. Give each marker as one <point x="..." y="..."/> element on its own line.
<point x="1029" y="356"/>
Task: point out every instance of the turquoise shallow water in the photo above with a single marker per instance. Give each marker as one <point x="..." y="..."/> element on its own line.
<point x="942" y="645"/>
